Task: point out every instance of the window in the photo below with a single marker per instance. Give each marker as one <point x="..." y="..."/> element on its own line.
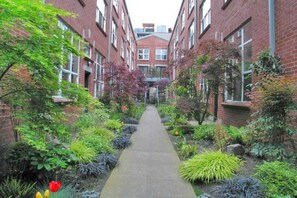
<point x="143" y="54"/>
<point x="128" y="34"/>
<point x="191" y="35"/>
<point x="122" y="52"/>
<point x="87" y="50"/>
<point x="183" y="48"/>
<point x="114" y="33"/>
<point x="240" y="84"/>
<point x="183" y="22"/>
<point x="161" y="54"/>
<point x="191" y="5"/>
<point x="160" y="71"/>
<point x="123" y="20"/>
<point x="98" y="77"/>
<point x="205" y="15"/>
<point x="70" y="71"/>
<point x="116" y="5"/>
<point x="176" y="35"/>
<point x="144" y="69"/>
<point x="101" y="14"/>
<point x="128" y="56"/>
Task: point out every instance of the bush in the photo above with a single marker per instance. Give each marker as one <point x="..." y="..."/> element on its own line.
<point x="114" y="125"/>
<point x="187" y="150"/>
<point x="92" y="119"/>
<point x="83" y="153"/>
<point x="136" y="111"/>
<point x="279" y="178"/>
<point x="236" y="134"/>
<point x="122" y="142"/>
<point x="107" y="160"/>
<point x="269" y="151"/>
<point x="15" y="188"/>
<point x="210" y="166"/>
<point x="91" y="169"/>
<point x="98" y="144"/>
<point x="28" y="161"/>
<point x="204" y="132"/>
<point x="129" y="129"/>
<point x="166" y="110"/>
<point x="240" y="187"/>
<point x="221" y="137"/>
<point x="98" y="131"/>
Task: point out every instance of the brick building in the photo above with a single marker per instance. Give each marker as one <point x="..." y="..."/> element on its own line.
<point x="106" y="28"/>
<point x="253" y="26"/>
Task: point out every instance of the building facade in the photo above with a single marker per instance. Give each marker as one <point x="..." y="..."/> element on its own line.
<point x="107" y="31"/>
<point x="251" y="25"/>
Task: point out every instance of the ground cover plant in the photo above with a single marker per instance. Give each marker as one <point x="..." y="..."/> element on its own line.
<point x="12" y="187"/>
<point x="210" y="166"/>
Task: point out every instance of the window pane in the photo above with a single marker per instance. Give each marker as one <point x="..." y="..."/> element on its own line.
<point x="247" y="56"/>
<point x="75" y="64"/>
<point x="247" y="87"/>
<point x="237" y="89"/>
<point x="247" y="32"/>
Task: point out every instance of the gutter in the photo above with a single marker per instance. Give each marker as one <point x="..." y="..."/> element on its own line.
<point x="110" y="30"/>
<point x="271" y="9"/>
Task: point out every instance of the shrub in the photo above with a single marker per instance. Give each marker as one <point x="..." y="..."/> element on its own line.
<point x="98" y="131"/>
<point x="204" y="132"/>
<point x="98" y="144"/>
<point x="236" y="134"/>
<point x="15" y="188"/>
<point x="128" y="120"/>
<point x="92" y="119"/>
<point x="279" y="178"/>
<point x="187" y="150"/>
<point x="28" y="161"/>
<point x="210" y="166"/>
<point x="166" y="110"/>
<point x="122" y="142"/>
<point x="114" y="125"/>
<point x="91" y="169"/>
<point x="269" y="151"/>
<point x="240" y="187"/>
<point x="221" y="137"/>
<point x="82" y="152"/>
<point x="108" y="160"/>
<point x="136" y="111"/>
<point x="129" y="129"/>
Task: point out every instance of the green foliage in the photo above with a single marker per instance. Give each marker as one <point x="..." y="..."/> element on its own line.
<point x="236" y="134"/>
<point x="166" y="110"/>
<point x="103" y="133"/>
<point x="136" y="110"/>
<point x="25" y="159"/>
<point x="279" y="178"/>
<point x="15" y="188"/>
<point x="98" y="143"/>
<point x="210" y="166"/>
<point x="269" y="151"/>
<point x="115" y="125"/>
<point x="187" y="150"/>
<point x="92" y="119"/>
<point x="221" y="137"/>
<point x="204" y="132"/>
<point x="83" y="153"/>
<point x="267" y="64"/>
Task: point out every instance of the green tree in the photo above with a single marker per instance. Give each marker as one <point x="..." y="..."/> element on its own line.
<point x="32" y="50"/>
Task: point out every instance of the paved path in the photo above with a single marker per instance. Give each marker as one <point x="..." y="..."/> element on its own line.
<point x="149" y="168"/>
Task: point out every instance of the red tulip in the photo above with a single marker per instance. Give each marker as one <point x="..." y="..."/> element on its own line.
<point x="54" y="186"/>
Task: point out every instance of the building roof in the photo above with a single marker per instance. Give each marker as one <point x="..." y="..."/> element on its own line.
<point x="162" y="35"/>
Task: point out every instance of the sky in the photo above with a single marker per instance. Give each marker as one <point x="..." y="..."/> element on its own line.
<point x="159" y="12"/>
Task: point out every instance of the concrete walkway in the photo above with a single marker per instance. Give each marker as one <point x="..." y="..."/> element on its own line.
<point x="149" y="168"/>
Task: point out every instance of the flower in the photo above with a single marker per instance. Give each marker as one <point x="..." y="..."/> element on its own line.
<point x="38" y="195"/>
<point x="54" y="186"/>
<point x="124" y="108"/>
<point x="47" y="194"/>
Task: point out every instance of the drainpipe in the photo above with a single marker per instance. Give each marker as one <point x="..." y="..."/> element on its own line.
<point x="110" y="30"/>
<point x="271" y="6"/>
<point x="195" y="24"/>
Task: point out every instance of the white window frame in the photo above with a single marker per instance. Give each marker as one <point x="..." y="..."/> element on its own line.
<point x="205" y="15"/>
<point x="101" y="14"/>
<point x="243" y="71"/>
<point x="115" y="3"/>
<point x="99" y="75"/>
<point x="161" y="66"/>
<point x="88" y="50"/>
<point x="123" y="19"/>
<point x="191" y="35"/>
<point x="145" y="53"/>
<point x="160" y="53"/>
<point x="191" y="6"/>
<point x="183" y="21"/>
<point x="122" y="52"/>
<point x="127" y="56"/>
<point x="114" y="33"/>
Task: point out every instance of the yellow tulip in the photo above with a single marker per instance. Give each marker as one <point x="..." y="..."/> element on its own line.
<point x="39" y="195"/>
<point x="47" y="194"/>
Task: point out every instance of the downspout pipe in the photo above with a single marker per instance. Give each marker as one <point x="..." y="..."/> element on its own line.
<point x="110" y="30"/>
<point x="271" y="7"/>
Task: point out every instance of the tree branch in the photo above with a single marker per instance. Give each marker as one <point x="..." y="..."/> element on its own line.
<point x="6" y="70"/>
